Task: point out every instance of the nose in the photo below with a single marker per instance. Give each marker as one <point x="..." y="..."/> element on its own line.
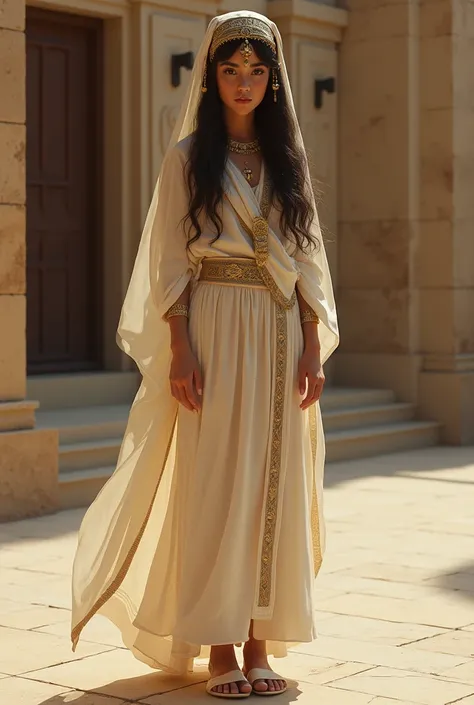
<point x="244" y="87"/>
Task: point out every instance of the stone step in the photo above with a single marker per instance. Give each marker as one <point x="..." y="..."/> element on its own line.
<point x="83" y="389"/>
<point x="87" y="455"/>
<point x="380" y="440"/>
<point x="86" y="423"/>
<point x="79" y="488"/>
<point x="346" y="398"/>
<point x="365" y="416"/>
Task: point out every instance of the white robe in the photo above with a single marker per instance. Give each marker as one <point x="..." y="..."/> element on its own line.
<point x="213" y="519"/>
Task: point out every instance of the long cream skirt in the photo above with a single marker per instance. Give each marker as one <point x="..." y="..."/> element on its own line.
<point x="210" y="575"/>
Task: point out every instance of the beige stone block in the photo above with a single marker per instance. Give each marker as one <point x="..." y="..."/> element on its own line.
<point x="383" y="371"/>
<point x="377" y="631"/>
<point x="436" y="320"/>
<point x="22" y="691"/>
<point x="463" y="164"/>
<point x="464" y="320"/>
<point x="436" y="612"/>
<point x="373" y="114"/>
<point x="449" y="399"/>
<point x="33" y="617"/>
<point x="374" y="255"/>
<point x="12" y="76"/>
<point x="12" y="163"/>
<point x="436" y="18"/>
<point x="403" y="685"/>
<point x="12" y="14"/>
<point x="22" y="651"/>
<point x="28" y="473"/>
<point x="17" y="415"/>
<point x="436" y="72"/>
<point x="463" y="98"/>
<point x="342" y="670"/>
<point x="463" y="252"/>
<point x="364" y="652"/>
<point x="435" y="254"/>
<point x="453" y="642"/>
<point x="13" y="348"/>
<point x="13" y="248"/>
<point x="25" y="692"/>
<point x="114" y="673"/>
<point x="436" y="165"/>
<point x="357" y="5"/>
<point x="463" y="18"/>
<point x="378" y="21"/>
<point x="374" y="321"/>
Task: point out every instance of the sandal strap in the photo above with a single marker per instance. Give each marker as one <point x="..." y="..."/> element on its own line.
<point x="262" y="674"/>
<point x="226" y="679"/>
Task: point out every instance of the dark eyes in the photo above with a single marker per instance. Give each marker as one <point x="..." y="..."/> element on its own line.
<point x="233" y="72"/>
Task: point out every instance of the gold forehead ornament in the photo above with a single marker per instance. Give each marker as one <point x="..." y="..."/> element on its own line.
<point x="245" y="28"/>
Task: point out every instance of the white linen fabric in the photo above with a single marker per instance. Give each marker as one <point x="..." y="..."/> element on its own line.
<point x="212" y="519"/>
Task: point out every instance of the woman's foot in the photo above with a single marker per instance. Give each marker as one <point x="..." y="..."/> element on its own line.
<point x="255" y="656"/>
<point x="223" y="661"/>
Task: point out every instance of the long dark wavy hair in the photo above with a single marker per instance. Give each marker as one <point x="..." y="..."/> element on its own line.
<point x="285" y="162"/>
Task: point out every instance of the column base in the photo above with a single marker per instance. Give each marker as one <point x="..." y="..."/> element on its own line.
<point x="447" y="395"/>
<point x="28" y="473"/>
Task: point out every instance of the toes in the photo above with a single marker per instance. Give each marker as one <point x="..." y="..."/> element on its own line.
<point x="261" y="686"/>
<point x="245" y="687"/>
<point x="234" y="688"/>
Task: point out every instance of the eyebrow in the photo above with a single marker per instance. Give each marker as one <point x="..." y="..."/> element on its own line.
<point x="237" y="66"/>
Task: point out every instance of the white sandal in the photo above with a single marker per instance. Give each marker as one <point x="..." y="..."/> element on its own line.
<point x="263" y="674"/>
<point x="227" y="679"/>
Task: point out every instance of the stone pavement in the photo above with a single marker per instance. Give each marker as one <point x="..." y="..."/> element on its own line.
<point x="395" y="601"/>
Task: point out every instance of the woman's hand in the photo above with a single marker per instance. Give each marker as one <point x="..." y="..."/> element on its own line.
<point x="310" y="377"/>
<point x="185" y="378"/>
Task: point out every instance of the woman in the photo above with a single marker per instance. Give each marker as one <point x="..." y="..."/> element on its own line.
<point x="210" y="530"/>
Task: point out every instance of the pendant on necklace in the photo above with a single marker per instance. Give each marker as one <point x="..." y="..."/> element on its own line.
<point x="247" y="172"/>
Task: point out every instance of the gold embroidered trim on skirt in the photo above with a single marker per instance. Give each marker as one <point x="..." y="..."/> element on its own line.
<point x="271" y="503"/>
<point x="315" y="518"/>
<point x="237" y="271"/>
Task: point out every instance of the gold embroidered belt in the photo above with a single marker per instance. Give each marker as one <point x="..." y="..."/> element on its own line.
<point x="231" y="270"/>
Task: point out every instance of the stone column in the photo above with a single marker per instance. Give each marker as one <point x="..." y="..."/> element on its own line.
<point x="28" y="457"/>
<point x="446" y="249"/>
<point x="406" y="256"/>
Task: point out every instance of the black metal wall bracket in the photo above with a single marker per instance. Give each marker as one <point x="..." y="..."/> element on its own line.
<point x="178" y="62"/>
<point x="323" y="85"/>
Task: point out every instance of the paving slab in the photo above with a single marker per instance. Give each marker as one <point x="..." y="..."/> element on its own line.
<point x="22" y="651"/>
<point x="406" y="685"/>
<point x="115" y="673"/>
<point x="21" y="691"/>
<point x="394" y="601"/>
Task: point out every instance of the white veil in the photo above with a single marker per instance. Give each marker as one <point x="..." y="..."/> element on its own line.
<point x="142" y="309"/>
<point x="119" y="532"/>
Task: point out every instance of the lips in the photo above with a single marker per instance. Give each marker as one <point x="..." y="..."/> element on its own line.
<point x="243" y="100"/>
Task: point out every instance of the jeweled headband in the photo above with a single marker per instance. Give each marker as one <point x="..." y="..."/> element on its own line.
<point x="245" y="28"/>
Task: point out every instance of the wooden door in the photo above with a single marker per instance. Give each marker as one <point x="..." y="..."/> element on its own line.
<point x="64" y="175"/>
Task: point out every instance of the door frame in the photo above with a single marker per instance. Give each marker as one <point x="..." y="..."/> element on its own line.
<point x="95" y="188"/>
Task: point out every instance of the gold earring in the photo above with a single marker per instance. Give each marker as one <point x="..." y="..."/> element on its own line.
<point x="275" y="84"/>
<point x="204" y="81"/>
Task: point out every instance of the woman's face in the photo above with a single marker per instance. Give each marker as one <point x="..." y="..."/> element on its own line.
<point x="242" y="88"/>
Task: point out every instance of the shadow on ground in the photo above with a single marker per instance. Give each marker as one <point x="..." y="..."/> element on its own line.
<point x="152" y="694"/>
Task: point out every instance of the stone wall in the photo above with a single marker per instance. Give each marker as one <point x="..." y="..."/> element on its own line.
<point x="406" y="264"/>
<point x="28" y="458"/>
